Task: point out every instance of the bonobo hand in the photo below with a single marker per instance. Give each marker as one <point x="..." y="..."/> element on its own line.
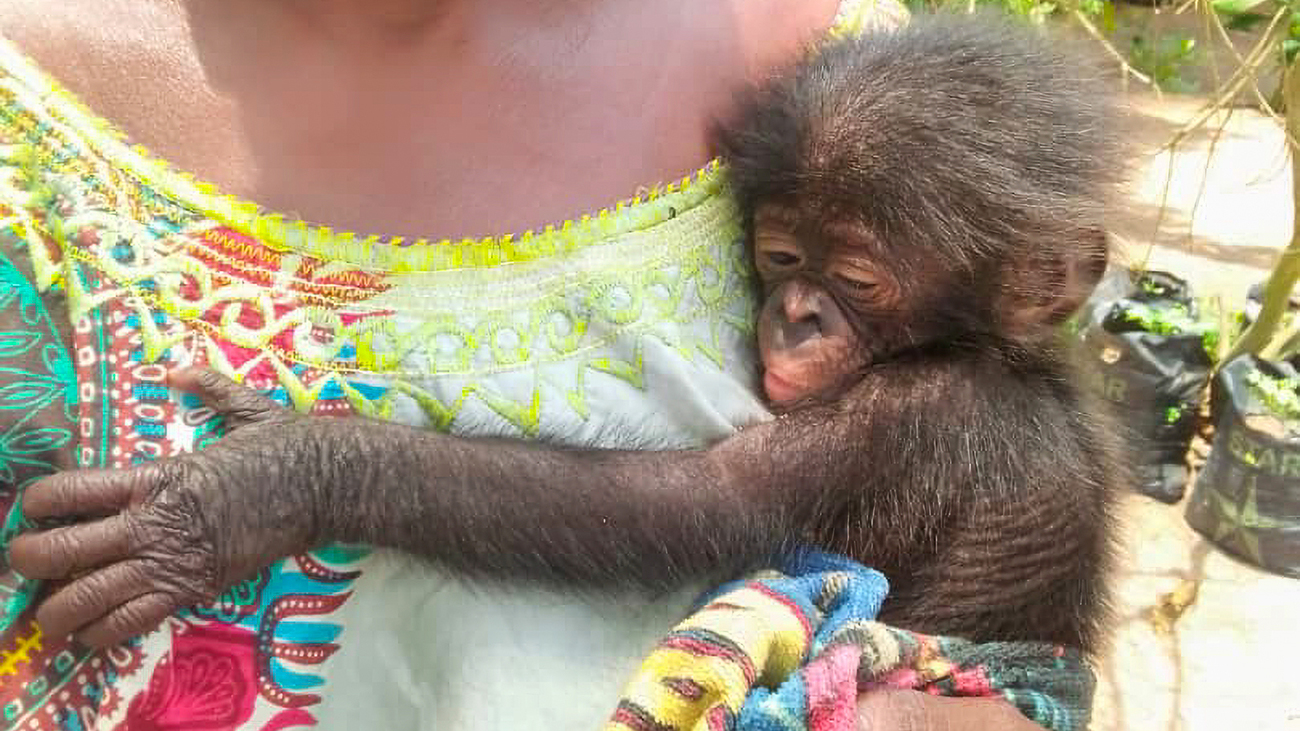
<point x="173" y="533"/>
<point x="910" y="710"/>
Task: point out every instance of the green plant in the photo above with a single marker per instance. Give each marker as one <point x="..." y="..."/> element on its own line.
<point x="1278" y="395"/>
<point x="1034" y="10"/>
<point x="1165" y="59"/>
<point x="1250" y="14"/>
<point x="1173" y="414"/>
<point x="1174" y="320"/>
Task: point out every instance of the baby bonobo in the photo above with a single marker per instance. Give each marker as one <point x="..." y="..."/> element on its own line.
<point x="924" y="208"/>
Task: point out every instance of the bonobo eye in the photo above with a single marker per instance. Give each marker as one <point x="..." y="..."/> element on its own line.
<point x="781" y="258"/>
<point x="861" y="284"/>
<point x="777" y="252"/>
<point x="855" y="284"/>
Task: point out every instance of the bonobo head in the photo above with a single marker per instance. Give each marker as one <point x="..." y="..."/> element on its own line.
<point x="942" y="185"/>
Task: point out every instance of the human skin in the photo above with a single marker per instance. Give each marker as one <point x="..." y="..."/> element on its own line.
<point x="219" y="89"/>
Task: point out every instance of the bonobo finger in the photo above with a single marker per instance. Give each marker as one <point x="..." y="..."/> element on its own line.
<point x="70" y="549"/>
<point x="136" y="617"/>
<point x="87" y="493"/>
<point x="95" y="595"/>
<point x="910" y="710"/>
<point x="239" y="404"/>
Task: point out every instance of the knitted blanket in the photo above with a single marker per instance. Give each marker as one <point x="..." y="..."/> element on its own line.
<point x="791" y="650"/>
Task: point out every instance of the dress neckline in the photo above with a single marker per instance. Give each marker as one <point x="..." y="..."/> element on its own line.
<point x="286" y="233"/>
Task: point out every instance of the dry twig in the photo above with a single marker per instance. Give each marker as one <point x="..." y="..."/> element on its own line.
<point x="1245" y="73"/>
<point x="1124" y="65"/>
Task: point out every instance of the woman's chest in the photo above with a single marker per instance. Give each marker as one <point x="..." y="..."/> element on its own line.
<point x="480" y="129"/>
<point x="445" y="141"/>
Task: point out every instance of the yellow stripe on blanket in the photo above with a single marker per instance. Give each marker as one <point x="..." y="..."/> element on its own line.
<point x="707" y="665"/>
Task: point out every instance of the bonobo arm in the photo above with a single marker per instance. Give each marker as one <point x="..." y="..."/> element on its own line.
<point x="977" y="485"/>
<point x="855" y="476"/>
<point x="864" y="463"/>
<point x="592" y="517"/>
<point x="173" y="533"/>
<point x="655" y="518"/>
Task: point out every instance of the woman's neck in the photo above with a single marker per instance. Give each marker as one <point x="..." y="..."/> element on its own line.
<point x="403" y="22"/>
<point x="454" y="117"/>
<point x="402" y="16"/>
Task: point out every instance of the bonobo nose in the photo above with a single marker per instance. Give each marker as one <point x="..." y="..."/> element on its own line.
<point x="796" y="332"/>
<point x="801" y="302"/>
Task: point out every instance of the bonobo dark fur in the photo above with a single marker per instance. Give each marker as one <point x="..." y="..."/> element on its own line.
<point x="979" y="162"/>
<point x="974" y="136"/>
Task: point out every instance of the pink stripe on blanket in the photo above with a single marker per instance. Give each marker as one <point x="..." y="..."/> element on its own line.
<point x="831" y="685"/>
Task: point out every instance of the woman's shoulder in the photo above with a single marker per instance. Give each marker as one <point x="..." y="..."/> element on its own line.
<point x="76" y="39"/>
<point x="773" y="32"/>
<point x="130" y="61"/>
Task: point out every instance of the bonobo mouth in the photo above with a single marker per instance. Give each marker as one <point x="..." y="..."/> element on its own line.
<point x="780" y="390"/>
<point x="807" y="369"/>
<point x="786" y="380"/>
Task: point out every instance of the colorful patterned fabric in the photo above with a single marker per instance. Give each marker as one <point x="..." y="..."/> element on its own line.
<point x="38" y="399"/>
<point x="630" y="328"/>
<point x="116" y="268"/>
<point x="792" y="650"/>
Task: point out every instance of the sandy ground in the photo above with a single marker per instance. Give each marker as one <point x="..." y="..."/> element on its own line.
<point x="1232" y="659"/>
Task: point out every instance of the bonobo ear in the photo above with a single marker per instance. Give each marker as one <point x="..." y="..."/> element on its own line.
<point x="1046" y="290"/>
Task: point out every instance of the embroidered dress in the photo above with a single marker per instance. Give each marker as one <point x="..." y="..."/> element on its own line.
<point x="627" y="328"/>
<point x="630" y="328"/>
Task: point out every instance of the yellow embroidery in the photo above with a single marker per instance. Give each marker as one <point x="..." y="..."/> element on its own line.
<point x="10" y="660"/>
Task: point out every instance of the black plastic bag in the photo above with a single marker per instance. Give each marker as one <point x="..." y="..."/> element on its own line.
<point x="1151" y="363"/>
<point x="1247" y="496"/>
<point x="1255" y="303"/>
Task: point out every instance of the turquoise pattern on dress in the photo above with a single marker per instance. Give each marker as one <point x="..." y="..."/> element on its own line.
<point x="28" y="392"/>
